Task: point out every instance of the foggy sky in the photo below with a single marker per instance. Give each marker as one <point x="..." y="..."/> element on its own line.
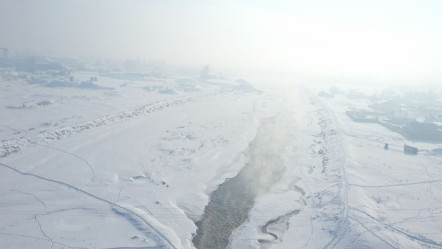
<point x="391" y="38"/>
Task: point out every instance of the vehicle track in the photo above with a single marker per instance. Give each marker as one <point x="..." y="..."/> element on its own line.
<point x="332" y="139"/>
<point x="91" y="168"/>
<point x="134" y="218"/>
<point x="418" y="238"/>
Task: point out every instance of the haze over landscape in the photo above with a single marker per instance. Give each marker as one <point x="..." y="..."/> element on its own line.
<point x="220" y="124"/>
<point x="380" y="39"/>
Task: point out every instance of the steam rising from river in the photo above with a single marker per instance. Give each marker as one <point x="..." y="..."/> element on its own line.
<point x="230" y="203"/>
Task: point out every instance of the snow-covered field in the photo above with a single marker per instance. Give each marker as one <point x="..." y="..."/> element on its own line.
<point x="125" y="167"/>
<point x="133" y="164"/>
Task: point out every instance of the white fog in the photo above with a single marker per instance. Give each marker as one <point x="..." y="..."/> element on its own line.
<point x="220" y="124"/>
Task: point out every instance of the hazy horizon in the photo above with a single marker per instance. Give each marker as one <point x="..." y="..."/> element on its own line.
<point x="394" y="40"/>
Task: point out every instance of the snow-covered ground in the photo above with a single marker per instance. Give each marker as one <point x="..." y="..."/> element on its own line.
<point x="126" y="167"/>
<point x="341" y="189"/>
<point x="133" y="164"/>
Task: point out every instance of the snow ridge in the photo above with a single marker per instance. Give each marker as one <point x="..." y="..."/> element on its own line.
<point x="11" y="146"/>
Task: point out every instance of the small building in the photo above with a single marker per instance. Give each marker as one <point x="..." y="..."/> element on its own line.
<point x="410" y="150"/>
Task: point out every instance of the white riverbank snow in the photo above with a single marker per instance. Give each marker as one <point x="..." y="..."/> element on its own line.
<point x="131" y="169"/>
<point x="341" y="189"/>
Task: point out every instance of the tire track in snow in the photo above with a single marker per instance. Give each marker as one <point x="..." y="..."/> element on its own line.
<point x="125" y="213"/>
<point x="24" y="236"/>
<point x="10" y="128"/>
<point x="47" y="236"/>
<point x="418" y="238"/>
<point x="373" y="233"/>
<point x="395" y="185"/>
<point x="43" y="233"/>
<point x="80" y="158"/>
<point x="332" y="139"/>
<point x="35" y="197"/>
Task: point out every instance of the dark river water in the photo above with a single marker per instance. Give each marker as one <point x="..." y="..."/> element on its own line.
<point x="230" y="204"/>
